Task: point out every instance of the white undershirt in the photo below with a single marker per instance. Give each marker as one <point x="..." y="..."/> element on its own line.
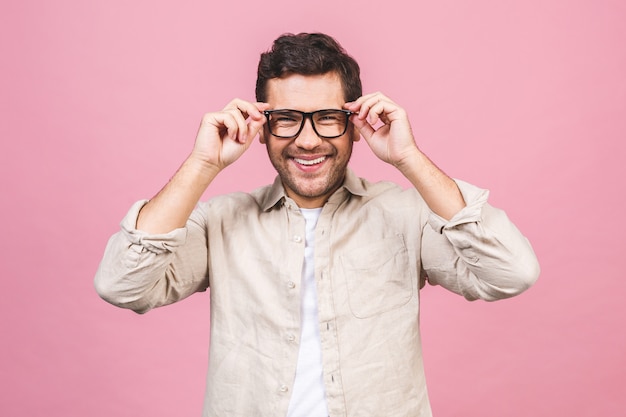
<point x="308" y="398"/>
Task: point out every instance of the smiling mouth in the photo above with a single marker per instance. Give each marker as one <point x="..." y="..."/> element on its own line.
<point x="309" y="162"/>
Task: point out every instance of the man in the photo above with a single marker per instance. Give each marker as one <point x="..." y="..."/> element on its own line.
<point x="314" y="280"/>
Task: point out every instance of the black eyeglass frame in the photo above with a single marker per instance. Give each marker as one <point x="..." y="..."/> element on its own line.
<point x="308" y="115"/>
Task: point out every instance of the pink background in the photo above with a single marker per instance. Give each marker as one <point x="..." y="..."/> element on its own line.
<point x="100" y="104"/>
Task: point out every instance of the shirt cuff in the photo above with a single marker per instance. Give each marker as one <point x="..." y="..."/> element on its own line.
<point x="475" y="198"/>
<point x="156" y="243"/>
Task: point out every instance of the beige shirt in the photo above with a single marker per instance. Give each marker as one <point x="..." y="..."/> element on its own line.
<point x="375" y="247"/>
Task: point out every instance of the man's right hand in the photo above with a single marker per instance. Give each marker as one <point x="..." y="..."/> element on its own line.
<point x="222" y="138"/>
<point x="225" y="135"/>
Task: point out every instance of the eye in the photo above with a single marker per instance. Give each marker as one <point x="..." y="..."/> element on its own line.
<point x="282" y="118"/>
<point x="330" y="117"/>
<point x="285" y="118"/>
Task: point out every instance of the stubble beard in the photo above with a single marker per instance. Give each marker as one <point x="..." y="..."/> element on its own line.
<point x="311" y="185"/>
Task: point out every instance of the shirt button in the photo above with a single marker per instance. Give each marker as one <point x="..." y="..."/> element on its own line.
<point x="297" y="239"/>
<point x="291" y="337"/>
<point x="291" y="285"/>
<point x="283" y="388"/>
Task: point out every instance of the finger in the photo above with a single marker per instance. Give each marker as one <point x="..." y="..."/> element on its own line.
<point x="217" y="126"/>
<point x="261" y="107"/>
<point x="249" y="117"/>
<point x="256" y="119"/>
<point x="254" y="127"/>
<point x="240" y="111"/>
<point x="364" y="104"/>
<point x="241" y="129"/>
<point x="366" y="97"/>
<point x="383" y="110"/>
<point x="248" y="109"/>
<point x="231" y="123"/>
<point x="365" y="129"/>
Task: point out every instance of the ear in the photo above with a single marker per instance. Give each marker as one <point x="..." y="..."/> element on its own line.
<point x="262" y="138"/>
<point x="356" y="136"/>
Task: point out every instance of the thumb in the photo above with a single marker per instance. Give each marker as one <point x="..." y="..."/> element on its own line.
<point x="254" y="126"/>
<point x="365" y="129"/>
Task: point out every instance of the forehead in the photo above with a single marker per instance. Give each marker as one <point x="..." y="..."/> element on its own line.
<point x="305" y="92"/>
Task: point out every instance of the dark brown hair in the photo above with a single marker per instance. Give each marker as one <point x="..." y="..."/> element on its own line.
<point x="308" y="54"/>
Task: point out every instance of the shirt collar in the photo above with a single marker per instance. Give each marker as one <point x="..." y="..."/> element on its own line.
<point x="353" y="184"/>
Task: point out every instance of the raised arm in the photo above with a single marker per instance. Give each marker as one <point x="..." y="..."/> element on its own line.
<point x="222" y="138"/>
<point x="393" y="143"/>
<point x="471" y="248"/>
<point x="160" y="254"/>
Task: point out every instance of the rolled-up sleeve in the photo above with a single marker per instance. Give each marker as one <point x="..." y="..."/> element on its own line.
<point x="140" y="271"/>
<point x="479" y="253"/>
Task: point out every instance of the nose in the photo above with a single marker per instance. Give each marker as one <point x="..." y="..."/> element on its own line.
<point x="308" y="139"/>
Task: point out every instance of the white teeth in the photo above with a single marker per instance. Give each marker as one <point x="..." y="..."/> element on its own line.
<point x="309" y="161"/>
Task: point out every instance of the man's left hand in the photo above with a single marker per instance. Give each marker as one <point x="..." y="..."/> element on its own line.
<point x="392" y="141"/>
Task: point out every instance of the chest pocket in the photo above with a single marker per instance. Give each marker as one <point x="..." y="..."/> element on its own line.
<point x="379" y="277"/>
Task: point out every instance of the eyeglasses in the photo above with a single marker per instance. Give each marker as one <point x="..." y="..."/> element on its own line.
<point x="288" y="124"/>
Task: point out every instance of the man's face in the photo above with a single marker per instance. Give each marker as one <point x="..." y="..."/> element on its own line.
<point x="311" y="168"/>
